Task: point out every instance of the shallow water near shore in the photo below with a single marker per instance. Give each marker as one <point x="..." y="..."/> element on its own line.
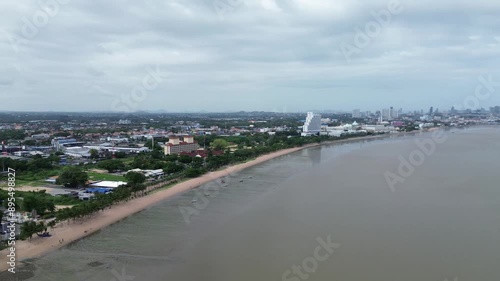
<point x="442" y="222"/>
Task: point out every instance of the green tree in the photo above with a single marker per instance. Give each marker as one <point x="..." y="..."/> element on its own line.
<point x="38" y="202"/>
<point x="54" y="158"/>
<point x="149" y="144"/>
<point x="111" y="165"/>
<point x="171" y="157"/>
<point x="38" y="163"/>
<point x="52" y="223"/>
<point x="197" y="162"/>
<point x="120" y="154"/>
<point x="194" y="172"/>
<point x="94" y="154"/>
<point x="186" y="159"/>
<point x="72" y="176"/>
<point x="135" y="178"/>
<point x="219" y="144"/>
<point x="28" y="228"/>
<point x="171" y="168"/>
<point x="29" y="142"/>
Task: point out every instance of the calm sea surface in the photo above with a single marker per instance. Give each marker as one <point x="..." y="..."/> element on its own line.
<point x="442" y="222"/>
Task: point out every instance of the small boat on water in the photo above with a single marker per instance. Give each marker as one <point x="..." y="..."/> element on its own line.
<point x="45" y="234"/>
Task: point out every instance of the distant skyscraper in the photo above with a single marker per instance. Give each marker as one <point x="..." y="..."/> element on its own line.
<point x="312" y="124"/>
<point x="356" y="113"/>
<point x="431" y="110"/>
<point x="392" y="113"/>
<point x="495" y="109"/>
<point x="386" y="113"/>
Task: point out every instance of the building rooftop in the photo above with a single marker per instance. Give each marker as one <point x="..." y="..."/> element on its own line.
<point x="181" y="143"/>
<point x="108" y="184"/>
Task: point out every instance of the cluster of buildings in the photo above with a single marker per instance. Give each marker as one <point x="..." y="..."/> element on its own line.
<point x="390" y="120"/>
<point x="314" y="125"/>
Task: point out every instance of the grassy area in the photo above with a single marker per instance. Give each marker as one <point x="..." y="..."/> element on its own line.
<point x="39" y="183"/>
<point x="65" y="200"/>
<point x="127" y="160"/>
<point x="57" y="200"/>
<point x="104" y="177"/>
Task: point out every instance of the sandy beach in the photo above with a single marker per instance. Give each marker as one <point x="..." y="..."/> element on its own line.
<point x="72" y="231"/>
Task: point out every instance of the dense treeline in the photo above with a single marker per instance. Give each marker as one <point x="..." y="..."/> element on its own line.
<point x="6" y="135"/>
<point x="40" y="201"/>
<point x="37" y="163"/>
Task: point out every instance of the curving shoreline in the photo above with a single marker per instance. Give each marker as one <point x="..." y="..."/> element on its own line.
<point x="73" y="231"/>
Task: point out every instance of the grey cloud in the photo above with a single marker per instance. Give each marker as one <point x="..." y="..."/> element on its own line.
<point x="273" y="50"/>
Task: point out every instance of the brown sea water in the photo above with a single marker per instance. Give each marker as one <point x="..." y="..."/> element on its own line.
<point x="442" y="222"/>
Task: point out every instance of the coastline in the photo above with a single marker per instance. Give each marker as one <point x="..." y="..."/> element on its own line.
<point x="73" y="231"/>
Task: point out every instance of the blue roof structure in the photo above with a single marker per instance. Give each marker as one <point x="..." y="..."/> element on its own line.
<point x="99" y="190"/>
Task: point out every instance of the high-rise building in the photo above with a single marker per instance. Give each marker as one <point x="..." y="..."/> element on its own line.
<point x="495" y="109"/>
<point x="312" y="125"/>
<point x="393" y="113"/>
<point x="386" y="113"/>
<point x="356" y="113"/>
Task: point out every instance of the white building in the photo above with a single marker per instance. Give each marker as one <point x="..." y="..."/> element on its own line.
<point x="108" y="184"/>
<point x="77" y="152"/>
<point x="117" y="139"/>
<point x="124" y="122"/>
<point x="149" y="173"/>
<point x="312" y="125"/>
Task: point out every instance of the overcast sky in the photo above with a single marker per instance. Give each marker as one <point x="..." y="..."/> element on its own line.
<point x="227" y="55"/>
